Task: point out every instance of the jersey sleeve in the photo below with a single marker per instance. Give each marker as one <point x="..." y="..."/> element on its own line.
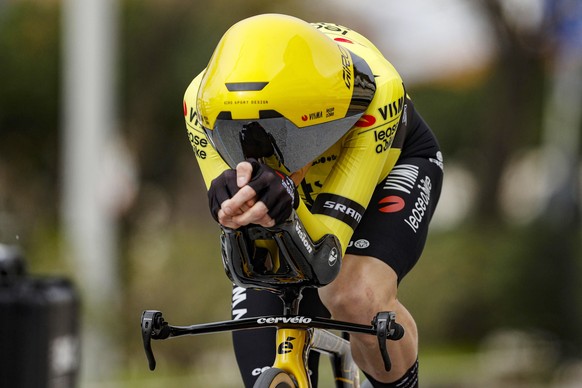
<point x="210" y="162"/>
<point x="366" y="155"/>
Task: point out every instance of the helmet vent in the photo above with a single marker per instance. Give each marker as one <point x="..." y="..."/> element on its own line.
<point x="245" y="86"/>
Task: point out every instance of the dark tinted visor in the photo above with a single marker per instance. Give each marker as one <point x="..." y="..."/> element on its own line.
<point x="237" y="140"/>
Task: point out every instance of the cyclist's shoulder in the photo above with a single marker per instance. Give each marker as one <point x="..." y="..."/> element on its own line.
<point x="362" y="47"/>
<point x="345" y="35"/>
<point x="389" y="83"/>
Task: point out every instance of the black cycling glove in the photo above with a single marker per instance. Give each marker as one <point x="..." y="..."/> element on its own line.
<point x="223" y="187"/>
<point x="275" y="189"/>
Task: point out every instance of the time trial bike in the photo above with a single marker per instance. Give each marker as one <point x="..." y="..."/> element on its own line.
<point x="292" y="263"/>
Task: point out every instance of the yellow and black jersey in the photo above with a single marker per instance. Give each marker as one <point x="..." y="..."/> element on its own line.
<point x="338" y="185"/>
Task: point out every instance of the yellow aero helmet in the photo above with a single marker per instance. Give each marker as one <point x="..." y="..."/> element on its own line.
<point x="275" y="85"/>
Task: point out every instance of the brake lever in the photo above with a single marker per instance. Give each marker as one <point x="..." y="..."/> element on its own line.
<point x="153" y="326"/>
<point x="386" y="328"/>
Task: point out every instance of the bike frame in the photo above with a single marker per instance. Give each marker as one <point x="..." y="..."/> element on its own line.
<point x="345" y="371"/>
<point x="294" y="345"/>
<point x="296" y="335"/>
<point x="292" y="352"/>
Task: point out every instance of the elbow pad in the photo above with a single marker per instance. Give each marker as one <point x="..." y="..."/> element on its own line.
<point x="299" y="260"/>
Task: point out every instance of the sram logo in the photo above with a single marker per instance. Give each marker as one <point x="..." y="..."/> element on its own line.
<point x="343" y="209"/>
<point x="272" y="320"/>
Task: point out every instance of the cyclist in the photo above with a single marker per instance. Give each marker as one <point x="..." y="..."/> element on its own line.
<point x="291" y="115"/>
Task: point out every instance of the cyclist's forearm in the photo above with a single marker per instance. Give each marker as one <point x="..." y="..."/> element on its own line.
<point x="318" y="226"/>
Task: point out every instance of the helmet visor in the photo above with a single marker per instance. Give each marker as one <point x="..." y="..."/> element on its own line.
<point x="295" y="147"/>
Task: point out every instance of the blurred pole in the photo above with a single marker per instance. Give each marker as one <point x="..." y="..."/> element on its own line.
<point x="561" y="145"/>
<point x="89" y="56"/>
<point x="563" y="114"/>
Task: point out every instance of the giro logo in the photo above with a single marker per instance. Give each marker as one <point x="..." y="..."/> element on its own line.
<point x="391" y="204"/>
<point x="366" y="121"/>
<point x="346" y="66"/>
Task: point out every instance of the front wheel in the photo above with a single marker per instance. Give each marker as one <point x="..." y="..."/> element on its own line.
<point x="274" y="378"/>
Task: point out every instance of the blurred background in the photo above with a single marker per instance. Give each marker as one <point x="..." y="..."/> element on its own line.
<point x="99" y="183"/>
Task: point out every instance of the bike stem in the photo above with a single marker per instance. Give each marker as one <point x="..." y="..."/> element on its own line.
<point x="291" y="297"/>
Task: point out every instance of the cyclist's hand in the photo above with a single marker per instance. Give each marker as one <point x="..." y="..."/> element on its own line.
<point x="266" y="197"/>
<point x="229" y="198"/>
<point x="221" y="189"/>
<point x="274" y="189"/>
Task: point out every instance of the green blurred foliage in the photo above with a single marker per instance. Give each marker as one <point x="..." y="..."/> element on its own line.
<point x="29" y="111"/>
<point x="482" y="278"/>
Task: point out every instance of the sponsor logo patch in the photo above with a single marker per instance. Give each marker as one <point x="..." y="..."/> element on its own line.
<point x="420" y="205"/>
<point x="332" y="259"/>
<point x="391" y="204"/>
<point x="366" y="121"/>
<point x="275" y="320"/>
<point x="341" y="208"/>
<point x="402" y="178"/>
<point x="439" y="160"/>
<point x="360" y="244"/>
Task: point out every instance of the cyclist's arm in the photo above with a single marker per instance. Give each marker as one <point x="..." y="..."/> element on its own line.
<point x="212" y="165"/>
<point x="210" y="162"/>
<point x="366" y="158"/>
<point x="360" y="167"/>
